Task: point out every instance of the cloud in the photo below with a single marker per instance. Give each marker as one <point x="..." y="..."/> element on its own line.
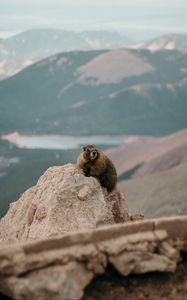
<point x="136" y="17"/>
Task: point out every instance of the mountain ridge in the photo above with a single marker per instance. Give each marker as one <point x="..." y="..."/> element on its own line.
<point x="28" y="47"/>
<point x="151" y="154"/>
<point x="51" y="96"/>
<point x="158" y="195"/>
<point x="170" y="41"/>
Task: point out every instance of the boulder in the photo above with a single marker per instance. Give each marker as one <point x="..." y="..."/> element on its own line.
<point x="64" y="200"/>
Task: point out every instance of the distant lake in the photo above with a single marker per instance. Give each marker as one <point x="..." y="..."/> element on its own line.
<point x="61" y="142"/>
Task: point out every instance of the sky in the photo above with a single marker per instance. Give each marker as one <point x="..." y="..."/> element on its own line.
<point x="139" y="20"/>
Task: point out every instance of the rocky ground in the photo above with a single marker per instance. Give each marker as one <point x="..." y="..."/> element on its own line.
<point x="154" y="286"/>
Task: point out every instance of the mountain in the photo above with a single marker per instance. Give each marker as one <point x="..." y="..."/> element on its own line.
<point x="161" y="194"/>
<point x="167" y="42"/>
<point x="28" y="47"/>
<point x="152" y="173"/>
<point x="142" y="156"/>
<point x="118" y="91"/>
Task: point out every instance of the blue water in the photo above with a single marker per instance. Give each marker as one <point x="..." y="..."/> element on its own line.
<point x="66" y="142"/>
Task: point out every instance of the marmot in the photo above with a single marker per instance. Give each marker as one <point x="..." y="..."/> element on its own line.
<point x="95" y="163"/>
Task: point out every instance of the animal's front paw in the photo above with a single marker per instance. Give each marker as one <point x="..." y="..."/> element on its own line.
<point x="86" y="172"/>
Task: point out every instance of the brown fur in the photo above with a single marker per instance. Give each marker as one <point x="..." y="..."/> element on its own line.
<point x="95" y="163"/>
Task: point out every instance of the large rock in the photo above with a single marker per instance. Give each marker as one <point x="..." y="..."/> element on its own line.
<point x="61" y="267"/>
<point x="63" y="200"/>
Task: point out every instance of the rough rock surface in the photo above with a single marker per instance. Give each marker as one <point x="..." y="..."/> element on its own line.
<point x="61" y="267"/>
<point x="59" y="247"/>
<point x="150" y="286"/>
<point x="63" y="200"/>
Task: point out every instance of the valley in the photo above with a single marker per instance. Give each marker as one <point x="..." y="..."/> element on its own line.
<point x="151" y="171"/>
<point x="130" y="102"/>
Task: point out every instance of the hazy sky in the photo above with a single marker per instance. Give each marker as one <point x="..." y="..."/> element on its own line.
<point x="138" y="19"/>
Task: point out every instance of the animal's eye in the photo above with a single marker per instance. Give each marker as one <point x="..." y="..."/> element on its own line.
<point x="84" y="148"/>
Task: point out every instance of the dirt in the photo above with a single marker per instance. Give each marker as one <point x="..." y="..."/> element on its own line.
<point x="152" y="286"/>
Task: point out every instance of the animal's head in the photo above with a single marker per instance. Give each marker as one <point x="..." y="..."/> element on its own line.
<point x="90" y="152"/>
